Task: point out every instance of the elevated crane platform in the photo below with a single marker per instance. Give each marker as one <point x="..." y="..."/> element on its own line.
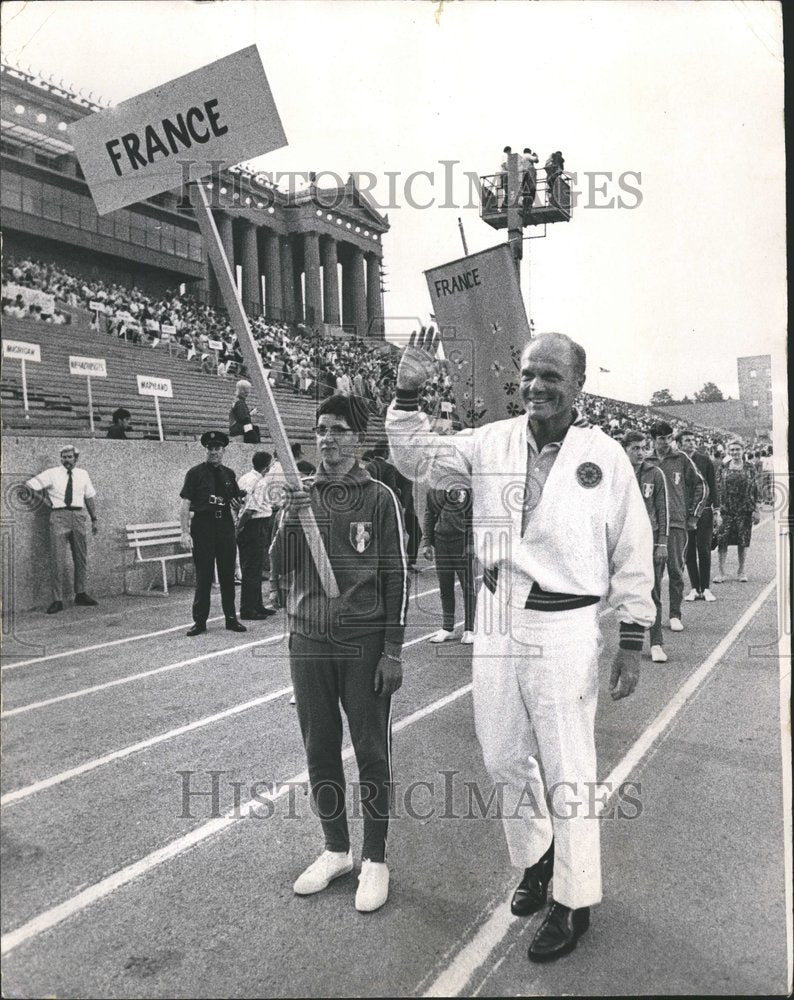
<point x="551" y="202"/>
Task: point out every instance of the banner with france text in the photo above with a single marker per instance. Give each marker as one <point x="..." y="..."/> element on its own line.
<point x="483" y="327"/>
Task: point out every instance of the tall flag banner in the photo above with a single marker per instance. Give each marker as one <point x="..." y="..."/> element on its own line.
<point x="483" y="328"/>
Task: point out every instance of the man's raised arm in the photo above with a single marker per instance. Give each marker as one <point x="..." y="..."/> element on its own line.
<point x="418" y="452"/>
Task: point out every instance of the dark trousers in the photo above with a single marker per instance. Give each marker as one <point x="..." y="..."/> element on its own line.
<point x="213" y="543"/>
<point x="452" y="561"/>
<point x="676" y="556"/>
<point x="325" y="676"/>
<point x="251" y="546"/>
<point x="698" y="553"/>
<point x="414" y="533"/>
<point x="267" y="539"/>
<point x="656" y="595"/>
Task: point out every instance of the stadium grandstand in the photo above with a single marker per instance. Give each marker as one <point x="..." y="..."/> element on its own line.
<point x="307" y="262"/>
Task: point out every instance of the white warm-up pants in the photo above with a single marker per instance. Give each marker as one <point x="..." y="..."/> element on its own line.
<point x="535" y="692"/>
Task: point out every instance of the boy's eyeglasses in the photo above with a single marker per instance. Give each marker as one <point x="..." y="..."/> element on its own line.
<point x="335" y="430"/>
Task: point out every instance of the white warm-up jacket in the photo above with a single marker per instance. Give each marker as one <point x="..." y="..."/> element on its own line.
<point x="588" y="535"/>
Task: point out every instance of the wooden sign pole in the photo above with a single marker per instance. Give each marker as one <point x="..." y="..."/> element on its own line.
<point x="258" y="378"/>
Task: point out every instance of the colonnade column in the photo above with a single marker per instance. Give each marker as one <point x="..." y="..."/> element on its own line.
<point x="274" y="303"/>
<point x="311" y="257"/>
<point x="297" y="285"/>
<point x="359" y="295"/>
<point x="287" y="279"/>
<point x="252" y="280"/>
<point x="374" y="318"/>
<point x="330" y="282"/>
<point x="224" y="224"/>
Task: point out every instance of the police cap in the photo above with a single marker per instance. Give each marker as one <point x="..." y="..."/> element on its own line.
<point x="214" y="438"/>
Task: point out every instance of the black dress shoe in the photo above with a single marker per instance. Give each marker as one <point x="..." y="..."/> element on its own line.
<point x="55" y="607"/>
<point x="530" y="894"/>
<point x="197" y="629"/>
<point x="85" y="600"/>
<point x="267" y="612"/>
<point x="232" y="625"/>
<point x="558" y="933"/>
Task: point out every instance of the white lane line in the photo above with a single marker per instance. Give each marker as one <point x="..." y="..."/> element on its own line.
<point x="82" y="692"/>
<point x="103" y="645"/>
<point x="119" y="642"/>
<point x="137" y="677"/>
<point x="109" y="758"/>
<point x="91" y="765"/>
<point x="93" y="893"/>
<point x="452" y="982"/>
<point x="176" y="628"/>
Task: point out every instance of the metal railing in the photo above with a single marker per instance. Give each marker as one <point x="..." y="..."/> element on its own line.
<point x="554" y="193"/>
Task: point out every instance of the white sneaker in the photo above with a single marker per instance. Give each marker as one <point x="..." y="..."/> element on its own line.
<point x="373" y="886"/>
<point x="675" y="625"/>
<point x="467" y="638"/>
<point x="658" y="655"/>
<point x="692" y="595"/>
<point x="441" y="636"/>
<point x="321" y="873"/>
<point x="708" y="596"/>
<point x="292" y="700"/>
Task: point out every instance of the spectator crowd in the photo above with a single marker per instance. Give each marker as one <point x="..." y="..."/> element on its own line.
<point x="293" y="354"/>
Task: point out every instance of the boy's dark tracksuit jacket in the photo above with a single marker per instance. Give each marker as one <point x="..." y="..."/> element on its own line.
<point x="360" y="522"/>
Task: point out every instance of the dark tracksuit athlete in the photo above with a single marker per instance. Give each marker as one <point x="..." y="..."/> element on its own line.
<point x="653" y="487"/>
<point x="685" y="493"/>
<point x="698" y="552"/>
<point x="447" y="528"/>
<point x="336" y="643"/>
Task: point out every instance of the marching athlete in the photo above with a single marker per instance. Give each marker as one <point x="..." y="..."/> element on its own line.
<point x="686" y="491"/>
<point x="653" y="487"/>
<point x="580" y="534"/>
<point x="345" y="652"/>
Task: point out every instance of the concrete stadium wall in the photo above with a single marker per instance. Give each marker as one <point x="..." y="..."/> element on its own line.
<point x="136" y="481"/>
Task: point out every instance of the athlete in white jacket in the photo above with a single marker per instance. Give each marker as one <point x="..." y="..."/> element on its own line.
<point x="559" y="524"/>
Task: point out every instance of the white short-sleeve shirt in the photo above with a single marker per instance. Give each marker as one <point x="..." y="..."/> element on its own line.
<point x="54" y="481"/>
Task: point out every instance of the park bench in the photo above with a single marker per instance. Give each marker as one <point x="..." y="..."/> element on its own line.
<point x="155" y="542"/>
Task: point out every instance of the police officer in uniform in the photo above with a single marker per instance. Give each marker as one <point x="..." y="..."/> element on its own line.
<point x="211" y="493"/>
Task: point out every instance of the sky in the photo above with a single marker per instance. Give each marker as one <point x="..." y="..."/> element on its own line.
<point x="684" y="100"/>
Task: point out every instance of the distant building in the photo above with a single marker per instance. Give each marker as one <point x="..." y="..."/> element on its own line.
<point x="755" y="387"/>
<point x="750" y="415"/>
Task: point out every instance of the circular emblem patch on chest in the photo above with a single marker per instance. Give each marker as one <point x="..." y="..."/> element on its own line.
<point x="589" y="475"/>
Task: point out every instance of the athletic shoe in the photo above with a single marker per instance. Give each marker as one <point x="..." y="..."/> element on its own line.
<point x="692" y="595"/>
<point x="658" y="655"/>
<point x="292" y="700"/>
<point x="373" y="886"/>
<point x="708" y="596"/>
<point x="675" y="625"/>
<point x="321" y="873"/>
<point x="467" y="639"/>
<point x="441" y="636"/>
<point x="718" y="579"/>
<point x="742" y="579"/>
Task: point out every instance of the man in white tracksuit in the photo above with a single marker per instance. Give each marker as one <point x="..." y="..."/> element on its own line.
<point x="559" y="523"/>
